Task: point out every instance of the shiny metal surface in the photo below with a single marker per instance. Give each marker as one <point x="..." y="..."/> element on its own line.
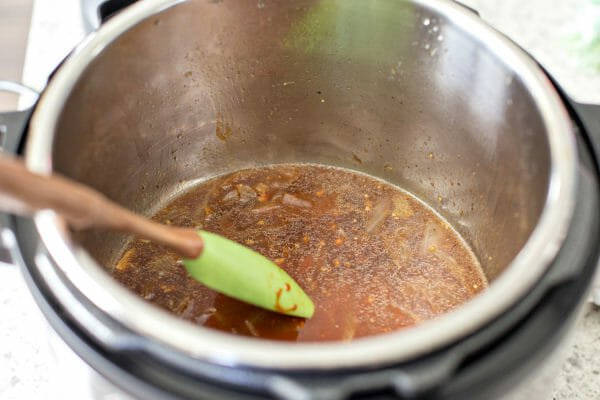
<point x="90" y="14"/>
<point x="7" y="247"/>
<point x="419" y="93"/>
<point x="28" y="95"/>
<point x="11" y="127"/>
<point x="12" y="122"/>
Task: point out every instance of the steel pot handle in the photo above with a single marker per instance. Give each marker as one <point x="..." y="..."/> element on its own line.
<point x="12" y="127"/>
<point x="12" y="123"/>
<point x="96" y="12"/>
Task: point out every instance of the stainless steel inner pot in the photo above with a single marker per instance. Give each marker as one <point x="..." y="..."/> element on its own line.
<point x="419" y="93"/>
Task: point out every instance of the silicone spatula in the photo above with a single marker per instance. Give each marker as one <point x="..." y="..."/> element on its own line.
<point x="217" y="262"/>
<point x="242" y="273"/>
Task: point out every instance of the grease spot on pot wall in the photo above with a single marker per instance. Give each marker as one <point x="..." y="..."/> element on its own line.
<point x="223" y="130"/>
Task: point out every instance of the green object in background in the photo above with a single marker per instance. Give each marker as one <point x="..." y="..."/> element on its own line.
<point x="586" y="34"/>
<point x="241" y="273"/>
<point x="356" y="30"/>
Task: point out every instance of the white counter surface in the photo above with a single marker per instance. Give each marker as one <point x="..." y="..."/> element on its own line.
<point x="30" y="369"/>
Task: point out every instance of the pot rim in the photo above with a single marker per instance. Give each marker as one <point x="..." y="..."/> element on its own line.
<point x="525" y="270"/>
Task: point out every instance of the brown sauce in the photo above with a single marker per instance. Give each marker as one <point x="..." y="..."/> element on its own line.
<point x="372" y="257"/>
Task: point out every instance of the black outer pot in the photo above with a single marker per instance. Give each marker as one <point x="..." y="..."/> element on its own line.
<point x="493" y="359"/>
<point x="481" y="366"/>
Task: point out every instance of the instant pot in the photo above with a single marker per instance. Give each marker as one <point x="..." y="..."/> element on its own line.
<point x="420" y="93"/>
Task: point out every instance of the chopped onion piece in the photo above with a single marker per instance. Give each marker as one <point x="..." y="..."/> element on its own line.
<point x="246" y="192"/>
<point x="263" y="208"/>
<point x="380" y="212"/>
<point x="232" y="195"/>
<point x="251" y="328"/>
<point x="292" y="200"/>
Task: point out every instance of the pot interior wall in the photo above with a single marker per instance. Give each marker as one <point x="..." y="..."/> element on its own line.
<point x="385" y="87"/>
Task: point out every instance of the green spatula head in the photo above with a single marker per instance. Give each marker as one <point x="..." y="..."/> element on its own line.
<point x="242" y="273"/>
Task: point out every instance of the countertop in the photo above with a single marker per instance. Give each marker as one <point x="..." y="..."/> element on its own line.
<point x="32" y="369"/>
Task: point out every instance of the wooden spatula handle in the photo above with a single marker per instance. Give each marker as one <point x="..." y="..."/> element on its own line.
<point x="24" y="192"/>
